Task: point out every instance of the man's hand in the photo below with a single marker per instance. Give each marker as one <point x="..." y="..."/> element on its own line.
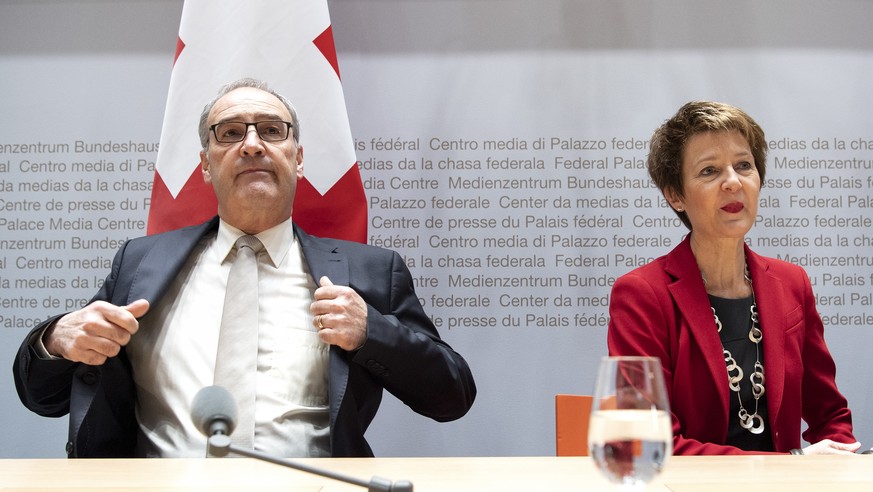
<point x="94" y="333"/>
<point x="340" y="315"/>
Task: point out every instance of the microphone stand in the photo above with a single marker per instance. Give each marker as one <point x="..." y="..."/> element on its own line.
<point x="220" y="445"/>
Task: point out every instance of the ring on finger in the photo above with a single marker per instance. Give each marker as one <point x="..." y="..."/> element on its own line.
<point x="318" y="321"/>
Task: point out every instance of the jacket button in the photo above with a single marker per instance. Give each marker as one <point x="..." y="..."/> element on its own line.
<point x="377" y="368"/>
<point x="69" y="448"/>
<point x="89" y="377"/>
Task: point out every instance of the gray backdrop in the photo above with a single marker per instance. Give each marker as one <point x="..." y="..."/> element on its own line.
<point x="501" y="143"/>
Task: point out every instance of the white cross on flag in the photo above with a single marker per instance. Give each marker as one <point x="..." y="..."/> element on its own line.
<point x="288" y="44"/>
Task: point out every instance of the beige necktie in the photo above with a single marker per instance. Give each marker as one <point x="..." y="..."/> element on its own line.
<point x="236" y="363"/>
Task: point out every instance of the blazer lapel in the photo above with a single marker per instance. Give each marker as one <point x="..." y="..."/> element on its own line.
<point x="693" y="305"/>
<point x="162" y="262"/>
<point x="325" y="259"/>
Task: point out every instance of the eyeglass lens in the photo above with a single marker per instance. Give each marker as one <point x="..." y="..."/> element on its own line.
<point x="235" y="131"/>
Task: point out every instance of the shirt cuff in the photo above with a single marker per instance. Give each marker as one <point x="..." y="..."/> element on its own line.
<point x="39" y="347"/>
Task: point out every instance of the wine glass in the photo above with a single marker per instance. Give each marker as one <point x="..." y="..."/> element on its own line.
<point x="629" y="435"/>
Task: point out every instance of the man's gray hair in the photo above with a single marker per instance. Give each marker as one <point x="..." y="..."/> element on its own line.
<point x="237" y="84"/>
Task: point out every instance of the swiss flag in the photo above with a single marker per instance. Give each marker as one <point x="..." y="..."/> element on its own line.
<point x="289" y="45"/>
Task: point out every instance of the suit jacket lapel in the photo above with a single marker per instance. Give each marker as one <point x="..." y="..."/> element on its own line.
<point x="770" y="297"/>
<point x="693" y="304"/>
<point x="162" y="262"/>
<point x="325" y="260"/>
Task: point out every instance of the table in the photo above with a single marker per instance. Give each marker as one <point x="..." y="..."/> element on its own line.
<point x="458" y="474"/>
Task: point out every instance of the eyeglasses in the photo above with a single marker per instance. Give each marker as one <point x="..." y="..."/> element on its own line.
<point x="235" y="131"/>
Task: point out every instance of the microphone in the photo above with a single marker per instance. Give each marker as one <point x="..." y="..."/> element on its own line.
<point x="214" y="412"/>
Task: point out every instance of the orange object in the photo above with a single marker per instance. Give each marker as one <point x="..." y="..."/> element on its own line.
<point x="572" y="413"/>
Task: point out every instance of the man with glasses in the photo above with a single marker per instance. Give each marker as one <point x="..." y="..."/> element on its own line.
<point x="337" y="321"/>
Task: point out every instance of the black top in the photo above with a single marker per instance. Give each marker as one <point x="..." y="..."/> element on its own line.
<point x="736" y="322"/>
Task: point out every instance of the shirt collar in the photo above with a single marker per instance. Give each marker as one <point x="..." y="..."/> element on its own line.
<point x="277" y="240"/>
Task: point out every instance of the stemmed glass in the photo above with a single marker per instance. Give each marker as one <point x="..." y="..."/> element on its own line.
<point x="629" y="435"/>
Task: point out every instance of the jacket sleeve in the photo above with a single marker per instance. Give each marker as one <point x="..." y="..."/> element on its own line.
<point x="44" y="385"/>
<point x="405" y="352"/>
<point x="825" y="409"/>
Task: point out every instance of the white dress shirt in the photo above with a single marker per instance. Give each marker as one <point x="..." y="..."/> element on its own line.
<point x="173" y="353"/>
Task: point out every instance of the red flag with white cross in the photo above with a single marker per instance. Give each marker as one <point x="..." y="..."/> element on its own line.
<point x="288" y="44"/>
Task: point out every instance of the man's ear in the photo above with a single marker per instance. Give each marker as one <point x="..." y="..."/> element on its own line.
<point x="204" y="167"/>
<point x="299" y="161"/>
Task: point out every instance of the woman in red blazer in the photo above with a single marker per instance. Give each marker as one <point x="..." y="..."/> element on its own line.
<point x="739" y="337"/>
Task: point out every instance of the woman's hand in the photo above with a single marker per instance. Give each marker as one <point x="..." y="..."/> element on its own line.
<point x="827" y="446"/>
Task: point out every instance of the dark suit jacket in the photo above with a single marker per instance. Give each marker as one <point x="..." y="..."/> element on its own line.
<point x="662" y="310"/>
<point x="403" y="352"/>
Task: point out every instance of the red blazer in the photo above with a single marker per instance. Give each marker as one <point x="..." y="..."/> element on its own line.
<point x="662" y="310"/>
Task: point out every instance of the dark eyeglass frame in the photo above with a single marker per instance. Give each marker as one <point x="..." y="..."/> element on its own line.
<point x="266" y="137"/>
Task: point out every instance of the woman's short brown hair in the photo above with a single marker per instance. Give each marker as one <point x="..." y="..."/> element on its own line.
<point x="668" y="141"/>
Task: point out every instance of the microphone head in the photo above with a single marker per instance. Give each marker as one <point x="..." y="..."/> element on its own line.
<point x="211" y="405"/>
